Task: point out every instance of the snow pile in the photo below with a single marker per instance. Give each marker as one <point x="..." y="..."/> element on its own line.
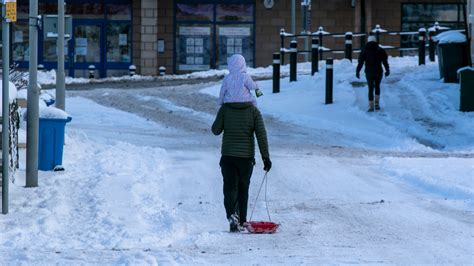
<point x="12" y="94"/>
<point x="419" y="112"/>
<point x="451" y="36"/>
<point x="52" y="112"/>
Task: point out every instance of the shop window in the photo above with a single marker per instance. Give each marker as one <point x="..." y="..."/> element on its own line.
<point x="20" y="41"/>
<point x="416" y="16"/>
<point x="195" y="12"/>
<point x="235" y="39"/>
<point x="50" y="50"/>
<point x="119" y="12"/>
<point x="119" y="42"/>
<point x="235" y="12"/>
<point x="85" y="10"/>
<point x="193" y="47"/>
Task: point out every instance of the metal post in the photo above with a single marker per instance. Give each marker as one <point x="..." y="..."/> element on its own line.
<point x="321" y="29"/>
<point x="60" y="75"/>
<point x="276" y="72"/>
<point x="421" y="46"/>
<point x="304" y="17"/>
<point x="314" y="56"/>
<point x="5" y="109"/>
<point x="431" y="33"/>
<point x="33" y="98"/>
<point x="377" y="33"/>
<point x="329" y="80"/>
<point x="293" y="60"/>
<point x="348" y="47"/>
<point x="293" y="17"/>
<point x="282" y="46"/>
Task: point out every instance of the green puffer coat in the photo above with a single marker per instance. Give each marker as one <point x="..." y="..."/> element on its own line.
<point x="240" y="121"/>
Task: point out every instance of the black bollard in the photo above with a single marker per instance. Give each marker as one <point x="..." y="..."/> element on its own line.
<point x="348" y="47"/>
<point x="162" y="70"/>
<point x="314" y="56"/>
<point x="421" y="46"/>
<point x="293" y="60"/>
<point x="91" y="71"/>
<point x="329" y="80"/>
<point x="132" y="69"/>
<point x="431" y="34"/>
<point x="276" y="72"/>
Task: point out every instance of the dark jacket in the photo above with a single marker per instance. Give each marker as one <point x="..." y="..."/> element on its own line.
<point x="373" y="56"/>
<point x="240" y="122"/>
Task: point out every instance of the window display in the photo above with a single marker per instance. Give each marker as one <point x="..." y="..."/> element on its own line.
<point x="234" y="40"/>
<point x="194" y="45"/>
<point x="416" y="16"/>
<point x="208" y="33"/>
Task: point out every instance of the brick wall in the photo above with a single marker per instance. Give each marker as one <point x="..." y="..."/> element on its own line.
<point x="165" y="32"/>
<point x="388" y="14"/>
<point x="145" y="32"/>
<point x="334" y="16"/>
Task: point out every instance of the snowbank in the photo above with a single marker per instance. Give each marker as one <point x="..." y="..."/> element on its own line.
<point x="12" y="92"/>
<point x="419" y="112"/>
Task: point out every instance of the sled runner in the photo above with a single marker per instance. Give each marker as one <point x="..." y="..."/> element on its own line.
<point x="261" y="227"/>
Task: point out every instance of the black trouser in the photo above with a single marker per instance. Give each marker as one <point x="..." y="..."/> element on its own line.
<point x="236" y="173"/>
<point x="373" y="80"/>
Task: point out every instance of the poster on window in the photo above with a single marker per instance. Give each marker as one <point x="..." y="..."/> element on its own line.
<point x="122" y="39"/>
<point x="193" y="51"/>
<point x="18" y="36"/>
<point x="234" y="40"/>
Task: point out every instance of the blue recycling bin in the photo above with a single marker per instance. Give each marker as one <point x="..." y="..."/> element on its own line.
<point x="51" y="142"/>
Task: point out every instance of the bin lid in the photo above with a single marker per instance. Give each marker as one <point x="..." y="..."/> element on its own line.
<point x="451" y="36"/>
<point x="463" y="69"/>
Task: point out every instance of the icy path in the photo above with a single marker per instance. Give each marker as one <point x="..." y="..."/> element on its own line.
<point x="123" y="203"/>
<point x="145" y="188"/>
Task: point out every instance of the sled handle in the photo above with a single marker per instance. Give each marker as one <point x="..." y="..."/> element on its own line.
<point x="264" y="180"/>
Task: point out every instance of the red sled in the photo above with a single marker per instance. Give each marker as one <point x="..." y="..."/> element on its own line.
<point x="261" y="227"/>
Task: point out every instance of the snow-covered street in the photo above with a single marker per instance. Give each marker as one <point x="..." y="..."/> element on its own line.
<point x="143" y="186"/>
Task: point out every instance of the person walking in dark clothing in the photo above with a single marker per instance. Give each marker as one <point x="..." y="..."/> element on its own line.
<point x="373" y="56"/>
<point x="239" y="122"/>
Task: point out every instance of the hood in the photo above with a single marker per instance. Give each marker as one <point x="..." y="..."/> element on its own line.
<point x="239" y="106"/>
<point x="372" y="46"/>
<point x="236" y="64"/>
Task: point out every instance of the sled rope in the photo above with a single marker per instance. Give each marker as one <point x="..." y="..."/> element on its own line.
<point x="264" y="180"/>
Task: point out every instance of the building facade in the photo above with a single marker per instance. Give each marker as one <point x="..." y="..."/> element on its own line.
<point x="194" y="35"/>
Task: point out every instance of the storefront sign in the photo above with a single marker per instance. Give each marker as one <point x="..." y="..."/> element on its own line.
<point x="10" y="6"/>
<point x="234" y="31"/>
<point x="194" y="31"/>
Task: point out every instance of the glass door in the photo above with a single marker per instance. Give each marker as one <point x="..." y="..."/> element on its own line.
<point x="87" y="43"/>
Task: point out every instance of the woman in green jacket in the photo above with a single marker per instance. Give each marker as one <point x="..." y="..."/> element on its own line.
<point x="240" y="122"/>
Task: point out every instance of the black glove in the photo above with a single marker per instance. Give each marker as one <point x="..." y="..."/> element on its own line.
<point x="267" y="164"/>
<point x="387" y="73"/>
<point x="358" y="75"/>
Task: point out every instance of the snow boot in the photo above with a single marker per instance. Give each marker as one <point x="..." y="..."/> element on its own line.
<point x="377" y="102"/>
<point x="371" y="106"/>
<point x="234" y="223"/>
